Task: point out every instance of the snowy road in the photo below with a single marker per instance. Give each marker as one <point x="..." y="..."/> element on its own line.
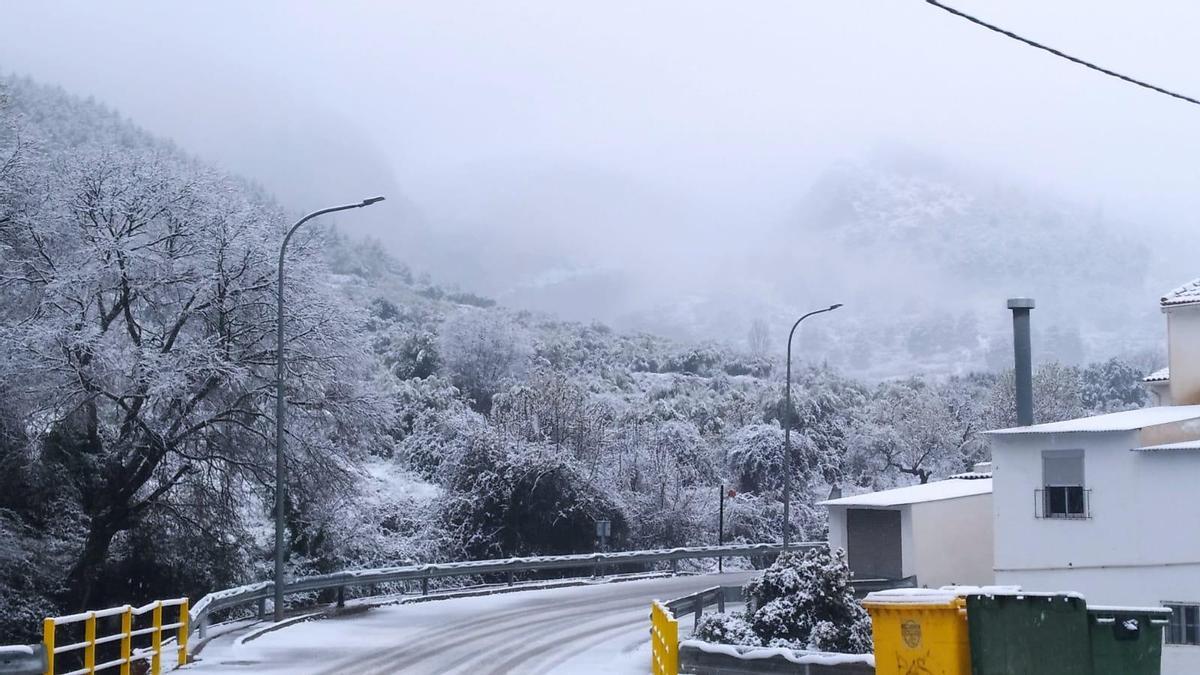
<point x="584" y="629"/>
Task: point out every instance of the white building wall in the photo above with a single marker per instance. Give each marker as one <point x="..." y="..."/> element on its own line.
<point x="837" y="527"/>
<point x="952" y="541"/>
<point x="1140" y="547"/>
<point x="1140" y="504"/>
<point x="908" y="548"/>
<point x="941" y="543"/>
<point x="1183" y="353"/>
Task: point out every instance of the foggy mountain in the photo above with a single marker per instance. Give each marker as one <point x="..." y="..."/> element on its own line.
<point x="923" y="251"/>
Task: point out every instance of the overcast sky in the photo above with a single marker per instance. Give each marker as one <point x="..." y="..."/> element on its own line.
<point x="705" y="117"/>
<point x="725" y="95"/>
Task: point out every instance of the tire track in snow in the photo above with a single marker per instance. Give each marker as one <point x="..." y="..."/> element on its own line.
<point x="563" y="642"/>
<point x="419" y="648"/>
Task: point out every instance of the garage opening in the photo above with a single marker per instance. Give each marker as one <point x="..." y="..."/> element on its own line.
<point x="873" y="543"/>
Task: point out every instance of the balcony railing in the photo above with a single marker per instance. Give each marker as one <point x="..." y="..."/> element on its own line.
<point x="1065" y="502"/>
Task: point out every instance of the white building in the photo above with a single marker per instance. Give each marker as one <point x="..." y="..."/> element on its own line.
<point x="1105" y="505"/>
<point x="938" y="534"/>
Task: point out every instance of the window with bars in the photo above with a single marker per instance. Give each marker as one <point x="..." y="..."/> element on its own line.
<point x="1184" y="627"/>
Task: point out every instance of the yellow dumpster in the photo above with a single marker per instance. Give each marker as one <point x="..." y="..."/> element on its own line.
<point x="919" y="631"/>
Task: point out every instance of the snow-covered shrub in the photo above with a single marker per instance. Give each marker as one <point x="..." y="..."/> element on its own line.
<point x="803" y="601"/>
<point x="726" y="628"/>
<point x="483" y="352"/>
<point x="508" y="497"/>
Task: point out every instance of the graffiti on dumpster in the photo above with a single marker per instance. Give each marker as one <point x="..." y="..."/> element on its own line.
<point x="913" y="667"/>
<point x="911" y="632"/>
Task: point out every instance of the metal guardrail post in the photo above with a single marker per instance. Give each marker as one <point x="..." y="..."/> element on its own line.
<point x="181" y="635"/>
<point x="424" y="585"/>
<point x="674" y="566"/>
<point x="156" y="640"/>
<point x="510" y="578"/>
<point x="48" y="643"/>
<point x="89" y="636"/>
<point x="262" y="608"/>
<point x="341" y="597"/>
<point x="127" y="640"/>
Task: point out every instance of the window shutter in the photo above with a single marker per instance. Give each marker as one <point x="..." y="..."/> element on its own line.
<point x="1062" y="467"/>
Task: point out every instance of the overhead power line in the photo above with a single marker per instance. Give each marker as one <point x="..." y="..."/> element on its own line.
<point x="1062" y="55"/>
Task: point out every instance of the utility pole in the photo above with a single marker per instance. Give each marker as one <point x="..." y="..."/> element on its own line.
<point x="721" y="530"/>
<point x="280" y="368"/>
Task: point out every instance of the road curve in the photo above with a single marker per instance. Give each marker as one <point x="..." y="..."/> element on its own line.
<point x="584" y="629"/>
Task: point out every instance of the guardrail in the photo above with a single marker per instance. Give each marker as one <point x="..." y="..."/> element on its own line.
<point x="197" y="619"/>
<point x="125" y="637"/>
<point x="696" y="603"/>
<point x="339" y="581"/>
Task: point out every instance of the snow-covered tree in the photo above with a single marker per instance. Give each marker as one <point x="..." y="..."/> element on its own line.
<point x="918" y="429"/>
<point x="142" y="293"/>
<point x="484" y="352"/>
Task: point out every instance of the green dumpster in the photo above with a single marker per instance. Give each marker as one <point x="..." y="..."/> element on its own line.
<point x="1028" y="633"/>
<point x="1127" y="640"/>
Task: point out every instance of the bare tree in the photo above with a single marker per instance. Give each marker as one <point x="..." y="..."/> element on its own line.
<point x="759" y="338"/>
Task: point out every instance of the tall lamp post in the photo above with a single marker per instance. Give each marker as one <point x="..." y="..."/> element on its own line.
<point x="787" y="430"/>
<point x="280" y="483"/>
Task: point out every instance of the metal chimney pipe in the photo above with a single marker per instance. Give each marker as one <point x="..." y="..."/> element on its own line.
<point x="1023" y="358"/>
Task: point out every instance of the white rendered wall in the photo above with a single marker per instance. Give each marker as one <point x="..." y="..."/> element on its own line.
<point x="1140" y="547"/>
<point x="837" y="527"/>
<point x="941" y="543"/>
<point x="1183" y="353"/>
<point x="1141" y="503"/>
<point x="953" y="541"/>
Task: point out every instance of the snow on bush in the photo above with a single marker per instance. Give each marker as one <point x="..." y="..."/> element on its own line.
<point x="803" y="601"/>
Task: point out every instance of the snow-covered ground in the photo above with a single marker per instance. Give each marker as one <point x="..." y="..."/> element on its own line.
<point x="584" y="629"/>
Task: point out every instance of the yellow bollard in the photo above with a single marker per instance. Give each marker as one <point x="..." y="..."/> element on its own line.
<point x="183" y="633"/>
<point x="156" y="641"/>
<point x="127" y="641"/>
<point x="48" y="643"/>
<point x="89" y="636"/>
<point x="664" y="639"/>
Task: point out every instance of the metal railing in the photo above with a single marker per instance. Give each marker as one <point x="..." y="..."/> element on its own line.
<point x="123" y="637"/>
<point x="258" y="593"/>
<point x="1062" y="502"/>
<point x="697" y="602"/>
<point x="196" y="619"/>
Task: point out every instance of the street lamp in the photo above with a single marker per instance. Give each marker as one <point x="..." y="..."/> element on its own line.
<point x="787" y="430"/>
<point x="280" y="483"/>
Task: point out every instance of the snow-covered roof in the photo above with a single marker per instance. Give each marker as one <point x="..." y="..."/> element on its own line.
<point x="1183" y="445"/>
<point x="1184" y="295"/>
<point x="951" y="488"/>
<point x="1128" y="420"/>
<point x="1160" y="375"/>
